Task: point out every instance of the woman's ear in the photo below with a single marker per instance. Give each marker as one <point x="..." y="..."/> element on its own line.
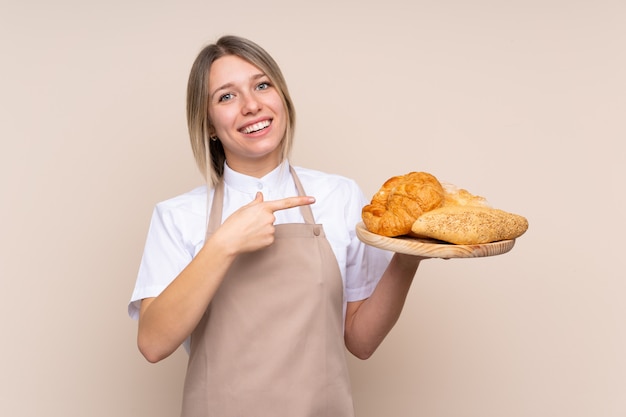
<point x="211" y="130"/>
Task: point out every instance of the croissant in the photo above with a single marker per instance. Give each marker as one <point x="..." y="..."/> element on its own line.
<point x="400" y="201"/>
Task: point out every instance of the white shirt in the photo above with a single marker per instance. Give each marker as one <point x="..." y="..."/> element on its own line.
<point x="178" y="228"/>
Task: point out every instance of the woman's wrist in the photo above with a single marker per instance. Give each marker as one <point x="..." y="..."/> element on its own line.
<point x="407" y="262"/>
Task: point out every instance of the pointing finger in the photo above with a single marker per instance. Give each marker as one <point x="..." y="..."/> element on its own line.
<point x="290" y="202"/>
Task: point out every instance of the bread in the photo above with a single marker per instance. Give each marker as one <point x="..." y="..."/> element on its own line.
<point x="400" y="201"/>
<point x="417" y="204"/>
<point x="469" y="225"/>
<point x="455" y="196"/>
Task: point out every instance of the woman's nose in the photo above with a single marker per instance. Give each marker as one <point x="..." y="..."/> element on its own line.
<point x="251" y="104"/>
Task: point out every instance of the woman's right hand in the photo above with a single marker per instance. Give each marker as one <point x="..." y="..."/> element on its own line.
<point x="251" y="227"/>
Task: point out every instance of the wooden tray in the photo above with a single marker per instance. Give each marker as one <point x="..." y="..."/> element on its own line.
<point x="432" y="248"/>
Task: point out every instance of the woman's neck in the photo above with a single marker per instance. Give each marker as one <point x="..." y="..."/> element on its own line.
<point x="256" y="169"/>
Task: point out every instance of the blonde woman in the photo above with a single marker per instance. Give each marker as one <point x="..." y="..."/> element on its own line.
<point x="260" y="274"/>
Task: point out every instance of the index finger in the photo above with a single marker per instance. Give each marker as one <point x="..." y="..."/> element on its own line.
<point x="289" y="202"/>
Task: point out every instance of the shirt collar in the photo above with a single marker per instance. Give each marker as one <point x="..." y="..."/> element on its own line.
<point x="247" y="184"/>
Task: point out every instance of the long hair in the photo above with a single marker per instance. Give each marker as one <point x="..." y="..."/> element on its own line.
<point x="209" y="154"/>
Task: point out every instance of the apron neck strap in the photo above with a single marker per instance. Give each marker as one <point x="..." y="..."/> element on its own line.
<point x="306" y="211"/>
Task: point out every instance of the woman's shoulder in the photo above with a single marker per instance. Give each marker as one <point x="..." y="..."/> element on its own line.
<point x="332" y="190"/>
<point x="316" y="177"/>
<point x="193" y="201"/>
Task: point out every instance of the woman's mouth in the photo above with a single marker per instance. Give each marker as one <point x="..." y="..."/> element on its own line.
<point x="256" y="127"/>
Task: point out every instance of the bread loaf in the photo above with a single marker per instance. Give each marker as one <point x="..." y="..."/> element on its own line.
<point x="455" y="196"/>
<point x="469" y="225"/>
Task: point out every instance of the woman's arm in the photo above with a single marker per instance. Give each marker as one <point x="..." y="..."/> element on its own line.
<point x="369" y="321"/>
<point x="168" y="319"/>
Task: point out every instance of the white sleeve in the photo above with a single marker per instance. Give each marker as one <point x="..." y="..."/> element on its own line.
<point x="165" y="255"/>
<point x="365" y="264"/>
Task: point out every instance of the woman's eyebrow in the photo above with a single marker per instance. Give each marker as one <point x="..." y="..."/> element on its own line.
<point x="230" y="84"/>
<point x="222" y="87"/>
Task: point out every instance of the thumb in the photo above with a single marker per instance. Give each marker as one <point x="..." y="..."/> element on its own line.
<point x="258" y="199"/>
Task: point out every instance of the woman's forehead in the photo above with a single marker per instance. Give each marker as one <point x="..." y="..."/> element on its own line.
<point x="231" y="69"/>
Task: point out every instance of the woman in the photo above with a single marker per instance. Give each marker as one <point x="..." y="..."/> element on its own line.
<point x="265" y="284"/>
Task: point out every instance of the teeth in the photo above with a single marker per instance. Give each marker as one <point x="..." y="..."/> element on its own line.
<point x="256" y="127"/>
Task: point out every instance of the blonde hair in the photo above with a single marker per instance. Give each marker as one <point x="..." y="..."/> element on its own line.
<point x="209" y="154"/>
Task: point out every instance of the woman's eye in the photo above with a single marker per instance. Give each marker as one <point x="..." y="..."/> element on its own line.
<point x="263" y="86"/>
<point x="225" y="97"/>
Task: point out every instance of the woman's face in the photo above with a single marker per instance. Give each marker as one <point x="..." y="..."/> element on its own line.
<point x="248" y="115"/>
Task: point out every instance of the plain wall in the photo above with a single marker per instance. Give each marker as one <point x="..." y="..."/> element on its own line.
<point x="522" y="102"/>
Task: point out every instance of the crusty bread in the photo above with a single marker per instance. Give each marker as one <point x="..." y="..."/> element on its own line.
<point x="400" y="201"/>
<point x="455" y="196"/>
<point x="469" y="225"/>
<point x="417" y="204"/>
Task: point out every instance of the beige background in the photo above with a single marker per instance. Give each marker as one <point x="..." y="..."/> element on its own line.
<point x="519" y="101"/>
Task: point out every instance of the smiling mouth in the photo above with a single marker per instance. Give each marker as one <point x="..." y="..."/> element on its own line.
<point x="256" y="127"/>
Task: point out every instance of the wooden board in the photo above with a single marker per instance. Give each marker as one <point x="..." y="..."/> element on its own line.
<point x="432" y="248"/>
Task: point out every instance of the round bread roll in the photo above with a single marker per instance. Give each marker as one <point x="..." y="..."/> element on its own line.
<point x="400" y="201"/>
<point x="455" y="196"/>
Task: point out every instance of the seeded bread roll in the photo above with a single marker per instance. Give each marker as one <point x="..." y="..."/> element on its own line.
<point x="469" y="225"/>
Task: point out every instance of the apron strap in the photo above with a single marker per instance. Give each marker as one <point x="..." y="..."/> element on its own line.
<point x="215" y="215"/>
<point x="306" y="211"/>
